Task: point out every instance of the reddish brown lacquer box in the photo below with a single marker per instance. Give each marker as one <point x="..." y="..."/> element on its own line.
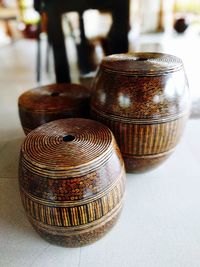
<point x="53" y="102"/>
<point x="143" y="98"/>
<point x="72" y="181"/>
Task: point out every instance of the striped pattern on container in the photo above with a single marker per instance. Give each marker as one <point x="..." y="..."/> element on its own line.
<point x="76" y="215"/>
<point x="95" y="228"/>
<point x="145" y="139"/>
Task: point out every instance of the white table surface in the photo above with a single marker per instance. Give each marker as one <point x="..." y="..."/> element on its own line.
<point x="159" y="225"/>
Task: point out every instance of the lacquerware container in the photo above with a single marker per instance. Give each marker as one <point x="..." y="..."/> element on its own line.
<point x="53" y="102"/>
<point x="72" y="178"/>
<point x="143" y="98"/>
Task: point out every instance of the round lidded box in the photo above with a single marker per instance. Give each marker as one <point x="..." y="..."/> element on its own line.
<point x="143" y="98"/>
<point x="71" y="177"/>
<point x="53" y="102"/>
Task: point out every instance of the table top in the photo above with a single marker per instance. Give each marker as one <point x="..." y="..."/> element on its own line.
<point x="159" y="225"/>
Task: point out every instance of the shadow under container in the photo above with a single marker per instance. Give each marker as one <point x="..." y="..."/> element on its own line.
<point x="52" y="102"/>
<point x="143" y="98"/>
<point x="72" y="181"/>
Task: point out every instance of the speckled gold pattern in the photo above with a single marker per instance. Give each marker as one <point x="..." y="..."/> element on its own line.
<point x="143" y="98"/>
<point x="70" y="188"/>
<point x="71" y="198"/>
<point x="74" y="213"/>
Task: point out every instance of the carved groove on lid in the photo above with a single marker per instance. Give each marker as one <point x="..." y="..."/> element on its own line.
<point x="141" y="64"/>
<point x="54" y="97"/>
<point x="67" y="147"/>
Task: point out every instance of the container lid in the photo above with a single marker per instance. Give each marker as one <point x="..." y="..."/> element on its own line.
<point x="142" y="63"/>
<point x="67" y="147"/>
<point x="54" y="97"/>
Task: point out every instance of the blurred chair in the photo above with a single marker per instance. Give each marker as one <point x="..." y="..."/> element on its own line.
<point x="8" y="14"/>
<point x="42" y="28"/>
<point x="117" y="39"/>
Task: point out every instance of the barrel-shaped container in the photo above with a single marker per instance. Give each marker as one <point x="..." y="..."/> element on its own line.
<point x="143" y="98"/>
<point x="52" y="102"/>
<point x="72" y="181"/>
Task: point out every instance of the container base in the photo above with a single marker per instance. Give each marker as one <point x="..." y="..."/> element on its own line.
<point x="140" y="164"/>
<point x="77" y="238"/>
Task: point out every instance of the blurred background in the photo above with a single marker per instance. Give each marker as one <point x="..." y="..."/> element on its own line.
<point x="26" y="54"/>
<point x="162" y="228"/>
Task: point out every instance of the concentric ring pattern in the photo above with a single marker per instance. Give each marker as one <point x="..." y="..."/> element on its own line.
<point x="54" y="97"/>
<point x="142" y="63"/>
<point x="53" y="102"/>
<point x="144" y="99"/>
<point x="72" y="181"/>
<point x="46" y="148"/>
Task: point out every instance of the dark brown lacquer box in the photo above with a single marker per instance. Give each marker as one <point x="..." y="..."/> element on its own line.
<point x="72" y="181"/>
<point x="53" y="102"/>
<point x="143" y="98"/>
